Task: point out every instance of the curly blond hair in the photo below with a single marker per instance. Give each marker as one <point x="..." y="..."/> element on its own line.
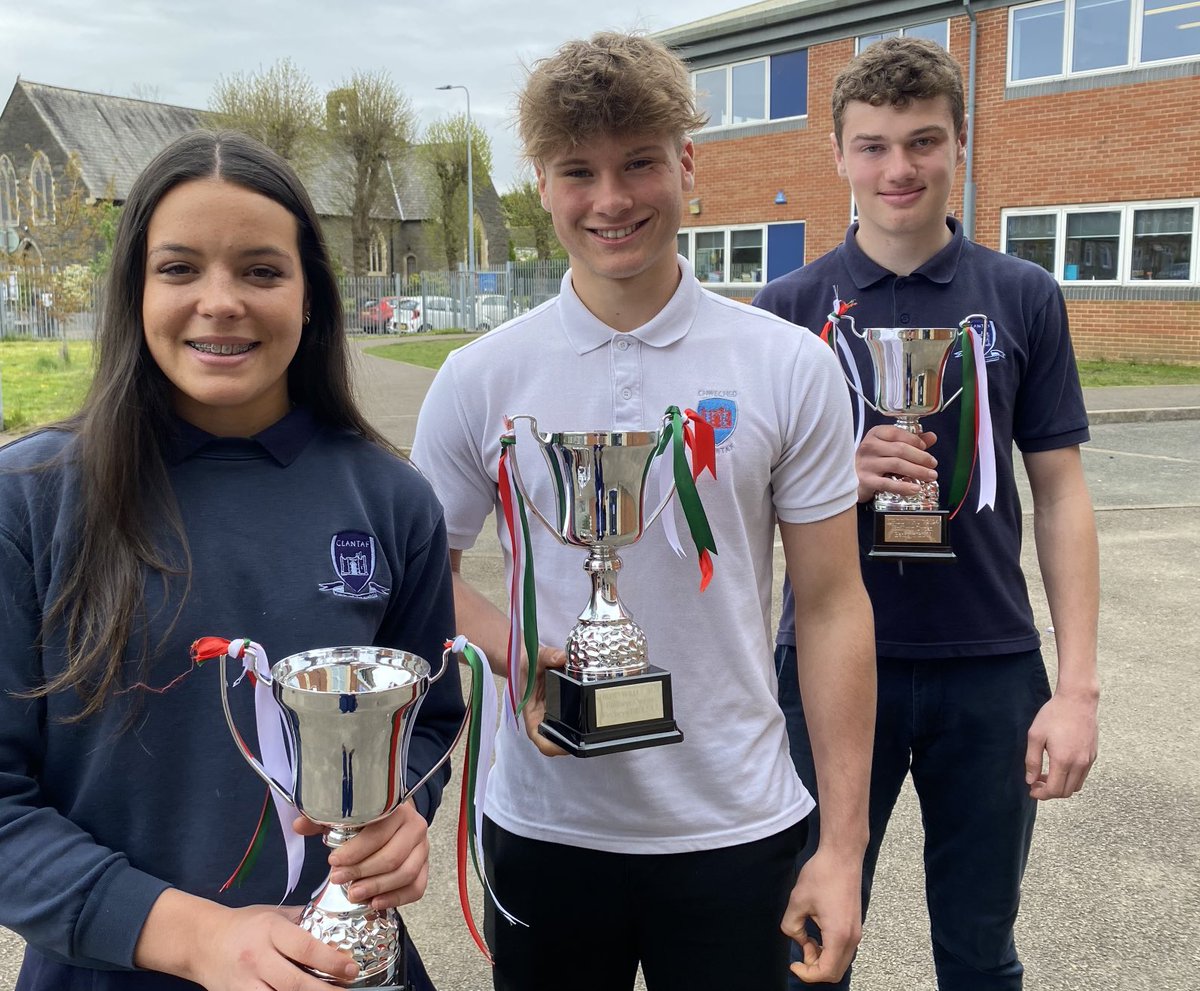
<point x="894" y="72"/>
<point x="609" y="84"/>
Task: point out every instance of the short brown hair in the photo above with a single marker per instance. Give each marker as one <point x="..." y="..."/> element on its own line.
<point x="896" y="71"/>
<point x="609" y="84"/>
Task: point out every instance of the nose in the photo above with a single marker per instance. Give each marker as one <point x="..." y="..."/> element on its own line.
<point x="612" y="196"/>
<point x="220" y="297"/>
<point x="899" y="165"/>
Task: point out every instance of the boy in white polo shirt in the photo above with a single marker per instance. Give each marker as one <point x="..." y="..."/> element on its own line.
<point x="677" y="858"/>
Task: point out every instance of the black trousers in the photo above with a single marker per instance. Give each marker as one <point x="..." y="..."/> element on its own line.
<point x="703" y="921"/>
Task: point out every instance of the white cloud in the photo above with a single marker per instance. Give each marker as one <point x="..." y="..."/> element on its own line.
<point x="176" y="52"/>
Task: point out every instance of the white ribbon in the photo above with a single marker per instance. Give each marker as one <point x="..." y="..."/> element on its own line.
<point x="664" y="479"/>
<point x="987" y="447"/>
<point x="277" y="749"/>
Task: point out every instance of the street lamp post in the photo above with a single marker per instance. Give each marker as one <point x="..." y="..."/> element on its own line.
<point x="470" y="199"/>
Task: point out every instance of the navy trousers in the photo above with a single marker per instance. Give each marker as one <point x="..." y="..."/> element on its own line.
<point x="959" y="726"/>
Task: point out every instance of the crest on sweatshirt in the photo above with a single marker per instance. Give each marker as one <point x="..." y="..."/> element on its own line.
<point x="353" y="555"/>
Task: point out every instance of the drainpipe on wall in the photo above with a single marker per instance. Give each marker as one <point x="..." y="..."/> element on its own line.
<point x="969" y="177"/>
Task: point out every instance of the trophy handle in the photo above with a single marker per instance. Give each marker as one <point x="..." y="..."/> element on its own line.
<point x="253" y="761"/>
<point x="457" y="736"/>
<point x="862" y="336"/>
<point x="543" y="440"/>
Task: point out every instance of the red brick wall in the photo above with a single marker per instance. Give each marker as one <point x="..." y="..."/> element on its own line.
<point x="1138" y="142"/>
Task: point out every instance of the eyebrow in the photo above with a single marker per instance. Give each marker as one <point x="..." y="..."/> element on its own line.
<point x="263" y="251"/>
<point x="631" y="153"/>
<point x="919" y="132"/>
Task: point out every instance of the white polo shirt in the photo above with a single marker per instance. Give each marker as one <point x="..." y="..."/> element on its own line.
<point x="784" y="449"/>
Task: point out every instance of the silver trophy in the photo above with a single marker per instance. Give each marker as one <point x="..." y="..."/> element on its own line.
<point x="609" y="698"/>
<point x="910" y="366"/>
<point x="348" y="715"/>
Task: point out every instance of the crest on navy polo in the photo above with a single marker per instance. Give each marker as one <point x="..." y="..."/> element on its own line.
<point x="986" y="329"/>
<point x="720" y="413"/>
<point x="353" y="556"/>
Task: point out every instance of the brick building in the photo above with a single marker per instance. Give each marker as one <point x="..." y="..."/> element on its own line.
<point x="1083" y="154"/>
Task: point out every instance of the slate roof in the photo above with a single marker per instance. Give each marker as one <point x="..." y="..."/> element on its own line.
<point x="116" y="137"/>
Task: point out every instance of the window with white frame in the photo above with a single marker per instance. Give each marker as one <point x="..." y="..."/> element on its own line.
<point x="9" y="210"/>
<point x="749" y="92"/>
<point x="729" y="256"/>
<point x="733" y="94"/>
<point x="1060" y="38"/>
<point x="938" y="31"/>
<point x="1123" y="243"/>
<point x="41" y="188"/>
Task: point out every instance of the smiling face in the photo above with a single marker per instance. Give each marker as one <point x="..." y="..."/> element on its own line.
<point x="223" y="304"/>
<point x="900" y="164"/>
<point x="617" y="201"/>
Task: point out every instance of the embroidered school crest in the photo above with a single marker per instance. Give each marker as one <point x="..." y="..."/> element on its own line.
<point x="720" y="413"/>
<point x="353" y="555"/>
<point x="987" y="332"/>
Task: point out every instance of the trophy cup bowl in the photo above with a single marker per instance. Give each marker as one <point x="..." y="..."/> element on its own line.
<point x="910" y="367"/>
<point x="609" y="698"/>
<point x="348" y="715"/>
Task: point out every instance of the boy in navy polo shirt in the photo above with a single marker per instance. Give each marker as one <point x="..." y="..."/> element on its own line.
<point x="964" y="702"/>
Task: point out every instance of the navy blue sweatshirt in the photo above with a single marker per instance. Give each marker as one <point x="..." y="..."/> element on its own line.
<point x="97" y="818"/>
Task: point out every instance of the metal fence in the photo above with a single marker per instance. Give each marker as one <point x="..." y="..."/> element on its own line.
<point x="449" y="300"/>
<point x="433" y="301"/>
<point x="28" y="310"/>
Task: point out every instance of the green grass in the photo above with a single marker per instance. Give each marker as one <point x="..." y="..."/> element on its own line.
<point x="1100" y="373"/>
<point x="37" y="386"/>
<point x="420" y="350"/>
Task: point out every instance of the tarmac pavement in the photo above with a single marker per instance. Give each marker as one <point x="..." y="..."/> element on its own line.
<point x="1112" y="893"/>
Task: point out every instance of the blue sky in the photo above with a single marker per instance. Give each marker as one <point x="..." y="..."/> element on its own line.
<point x="176" y="52"/>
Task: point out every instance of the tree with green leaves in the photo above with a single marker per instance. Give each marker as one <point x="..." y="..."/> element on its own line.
<point x="523" y="211"/>
<point x="445" y="151"/>
<point x="280" y="106"/>
<point x="369" y="121"/>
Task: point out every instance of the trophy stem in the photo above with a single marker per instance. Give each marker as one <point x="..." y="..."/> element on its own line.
<point x="374" y="937"/>
<point x="606" y="642"/>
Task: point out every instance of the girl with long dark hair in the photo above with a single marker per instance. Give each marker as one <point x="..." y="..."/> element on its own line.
<point x="204" y="487"/>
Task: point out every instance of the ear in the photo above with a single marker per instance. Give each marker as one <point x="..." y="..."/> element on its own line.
<point x="541" y="185"/>
<point x="839" y="160"/>
<point x="687" y="165"/>
<point x="962" y="142"/>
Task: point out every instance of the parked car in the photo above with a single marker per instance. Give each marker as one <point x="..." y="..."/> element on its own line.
<point x="376" y="313"/>
<point x="491" y="310"/>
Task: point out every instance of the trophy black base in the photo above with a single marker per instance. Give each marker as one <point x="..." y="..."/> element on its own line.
<point x="913" y="535"/>
<point x="592" y="718"/>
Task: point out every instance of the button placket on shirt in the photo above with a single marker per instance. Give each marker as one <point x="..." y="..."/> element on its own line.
<point x="627" y="381"/>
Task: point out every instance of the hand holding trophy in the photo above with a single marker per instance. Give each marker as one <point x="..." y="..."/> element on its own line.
<point x="909" y="365"/>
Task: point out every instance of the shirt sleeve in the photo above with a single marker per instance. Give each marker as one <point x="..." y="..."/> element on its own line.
<point x="1050" y="411"/>
<point x="814" y="478"/>
<point x="451" y="457"/>
<point x="59" y="889"/>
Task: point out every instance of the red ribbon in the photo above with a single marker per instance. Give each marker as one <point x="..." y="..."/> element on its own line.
<point x="701" y="437"/>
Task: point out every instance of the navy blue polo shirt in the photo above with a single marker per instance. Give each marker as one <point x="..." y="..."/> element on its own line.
<point x="977" y="604"/>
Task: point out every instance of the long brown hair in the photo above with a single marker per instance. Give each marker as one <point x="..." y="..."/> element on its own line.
<point x="128" y="525"/>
